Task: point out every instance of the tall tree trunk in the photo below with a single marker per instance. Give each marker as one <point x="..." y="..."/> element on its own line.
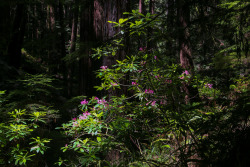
<point x="51" y="9"/>
<point x="17" y="36"/>
<point x="87" y="37"/>
<point x="142" y="7"/>
<point x="186" y="61"/>
<point x="70" y="66"/>
<point x="150" y="31"/>
<point x="62" y="53"/>
<point x="114" y="10"/>
<point x="184" y="41"/>
<point x="152" y="6"/>
<point x="170" y="46"/>
<point x="5" y="25"/>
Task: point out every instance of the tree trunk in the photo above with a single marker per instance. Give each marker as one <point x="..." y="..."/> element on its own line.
<point x="17" y="36"/>
<point x="142" y="7"/>
<point x="87" y="37"/>
<point x="70" y="66"/>
<point x="184" y="41"/>
<point x="186" y="61"/>
<point x="150" y="31"/>
<point x="171" y="46"/>
<point x="5" y="25"/>
<point x="62" y="49"/>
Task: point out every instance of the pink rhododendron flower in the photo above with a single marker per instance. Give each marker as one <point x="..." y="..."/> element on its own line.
<point x="207" y="85"/>
<point x="134" y="83"/>
<point x="87" y="113"/>
<point x="104" y="67"/>
<point x="142" y="48"/>
<point x="101" y="101"/>
<point x="114" y="84"/>
<point x="169" y="81"/>
<point x="155" y="57"/>
<point x="182" y="77"/>
<point x="84" y="115"/>
<point x="96" y="98"/>
<point x="149" y="91"/>
<point x="157" y="76"/>
<point x="75" y="124"/>
<point x="186" y="72"/>
<point x="153" y="103"/>
<point x="74" y="119"/>
<point x="84" y="102"/>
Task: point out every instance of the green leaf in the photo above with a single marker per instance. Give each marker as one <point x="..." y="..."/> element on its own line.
<point x="99" y="139"/>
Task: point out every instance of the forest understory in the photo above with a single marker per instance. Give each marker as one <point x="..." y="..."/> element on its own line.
<point x="145" y="83"/>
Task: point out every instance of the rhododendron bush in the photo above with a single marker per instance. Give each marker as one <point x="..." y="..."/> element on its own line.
<point x="153" y="121"/>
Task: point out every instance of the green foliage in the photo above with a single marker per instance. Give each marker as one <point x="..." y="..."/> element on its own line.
<point x="154" y="112"/>
<point x="16" y="134"/>
<point x="35" y="94"/>
<point x="155" y="125"/>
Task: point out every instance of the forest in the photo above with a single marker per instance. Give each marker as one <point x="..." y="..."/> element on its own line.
<point x="124" y="83"/>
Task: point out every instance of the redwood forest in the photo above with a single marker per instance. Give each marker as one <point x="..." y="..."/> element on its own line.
<point x="124" y="83"/>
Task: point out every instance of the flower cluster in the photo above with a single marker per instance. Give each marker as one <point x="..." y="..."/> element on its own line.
<point x="207" y="85"/>
<point x="101" y="101"/>
<point x="183" y="74"/>
<point x="149" y="91"/>
<point x="168" y="81"/>
<point x="134" y="83"/>
<point x="142" y="48"/>
<point x="152" y="103"/>
<point x="104" y="67"/>
<point x="84" y="102"/>
<point x="157" y="76"/>
<point x="143" y="63"/>
<point x="84" y="115"/>
<point x="81" y="117"/>
<point x="113" y="84"/>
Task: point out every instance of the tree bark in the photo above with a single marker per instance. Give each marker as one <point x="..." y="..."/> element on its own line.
<point x="186" y="61"/>
<point x="184" y="41"/>
<point x="5" y="25"/>
<point x="142" y="7"/>
<point x="17" y="36"/>
<point x="74" y="28"/>
<point x="87" y="37"/>
<point x="150" y="31"/>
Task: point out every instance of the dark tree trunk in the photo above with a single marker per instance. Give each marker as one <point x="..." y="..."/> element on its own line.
<point x="4" y="27"/>
<point x="186" y="61"/>
<point x="170" y="46"/>
<point x="152" y="6"/>
<point x="62" y="49"/>
<point x="184" y="41"/>
<point x="150" y="31"/>
<point x="142" y="7"/>
<point x="17" y="36"/>
<point x="70" y="66"/>
<point x="51" y="17"/>
<point x="87" y="37"/>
